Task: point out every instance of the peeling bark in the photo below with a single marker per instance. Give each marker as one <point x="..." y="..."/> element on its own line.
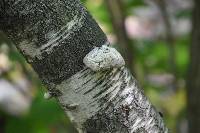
<point x="55" y="36"/>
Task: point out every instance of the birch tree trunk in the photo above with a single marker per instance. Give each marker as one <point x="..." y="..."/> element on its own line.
<point x="98" y="94"/>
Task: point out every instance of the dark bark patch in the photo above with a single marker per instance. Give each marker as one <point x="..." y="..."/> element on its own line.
<point x="46" y="22"/>
<point x="106" y="123"/>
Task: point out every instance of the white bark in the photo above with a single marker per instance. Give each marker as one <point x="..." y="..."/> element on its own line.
<point x="56" y="37"/>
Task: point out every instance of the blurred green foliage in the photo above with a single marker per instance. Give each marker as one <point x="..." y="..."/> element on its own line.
<point x="44" y="117"/>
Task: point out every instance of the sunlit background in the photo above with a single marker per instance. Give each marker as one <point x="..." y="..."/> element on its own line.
<point x="156" y="35"/>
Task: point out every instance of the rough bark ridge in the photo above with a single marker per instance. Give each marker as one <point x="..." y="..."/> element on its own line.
<point x="55" y="36"/>
<point x="193" y="78"/>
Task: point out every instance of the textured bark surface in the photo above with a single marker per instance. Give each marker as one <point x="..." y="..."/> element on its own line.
<point x="193" y="81"/>
<point x="55" y="36"/>
<point x="50" y="34"/>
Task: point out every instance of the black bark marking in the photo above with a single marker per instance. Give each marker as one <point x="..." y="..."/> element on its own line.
<point x="34" y="20"/>
<point x="106" y="123"/>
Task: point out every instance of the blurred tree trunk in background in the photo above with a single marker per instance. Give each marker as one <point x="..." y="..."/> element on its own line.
<point x="169" y="39"/>
<point x="117" y="15"/>
<point x="193" y="79"/>
<point x="2" y="123"/>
